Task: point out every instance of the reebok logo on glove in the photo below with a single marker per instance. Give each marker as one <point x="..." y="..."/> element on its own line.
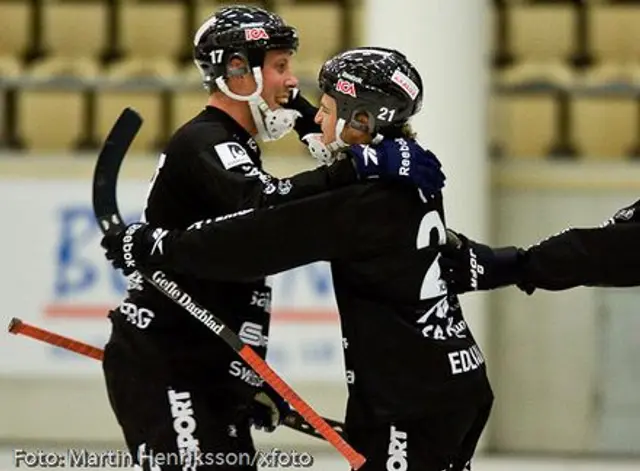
<point x="405" y="153"/>
<point x="127" y="245"/>
<point x="369" y="154"/>
<point x="400" y="159"/>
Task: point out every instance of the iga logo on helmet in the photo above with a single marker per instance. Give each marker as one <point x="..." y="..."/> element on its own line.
<point x="254" y="34"/>
<point x="346" y="87"/>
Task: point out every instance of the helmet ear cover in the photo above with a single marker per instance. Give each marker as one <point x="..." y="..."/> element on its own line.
<point x="381" y="111"/>
<point x="355" y="123"/>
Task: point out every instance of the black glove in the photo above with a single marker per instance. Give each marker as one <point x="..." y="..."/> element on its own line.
<point x="136" y="246"/>
<point x="305" y="125"/>
<point x="470" y="266"/>
<point x="269" y="409"/>
<point x="401" y="159"/>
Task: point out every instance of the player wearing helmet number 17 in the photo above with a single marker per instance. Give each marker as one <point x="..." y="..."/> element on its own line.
<point x="419" y="396"/>
<point x="175" y="388"/>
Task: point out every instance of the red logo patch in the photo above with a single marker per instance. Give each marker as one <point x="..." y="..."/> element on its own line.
<point x="346" y="87"/>
<point x="254" y="34"/>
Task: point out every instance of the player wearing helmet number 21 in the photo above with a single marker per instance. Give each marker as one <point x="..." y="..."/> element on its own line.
<point x="419" y="396"/>
<point x="176" y="389"/>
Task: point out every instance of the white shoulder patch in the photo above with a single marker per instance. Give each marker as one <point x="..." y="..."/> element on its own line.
<point x="232" y="154"/>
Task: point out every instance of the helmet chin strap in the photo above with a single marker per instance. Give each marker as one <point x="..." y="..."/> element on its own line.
<point x="271" y="124"/>
<point x="224" y="88"/>
<point x="326" y="154"/>
<point x="338" y="143"/>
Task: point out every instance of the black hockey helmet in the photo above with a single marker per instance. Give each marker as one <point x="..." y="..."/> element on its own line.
<point x="245" y="32"/>
<point x="376" y="81"/>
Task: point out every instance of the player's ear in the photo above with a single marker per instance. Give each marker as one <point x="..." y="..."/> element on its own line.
<point x="239" y="79"/>
<point x="237" y="67"/>
<point x="350" y="135"/>
<point x="362" y="118"/>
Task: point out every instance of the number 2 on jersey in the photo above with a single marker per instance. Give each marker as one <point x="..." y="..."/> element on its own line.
<point x="432" y="284"/>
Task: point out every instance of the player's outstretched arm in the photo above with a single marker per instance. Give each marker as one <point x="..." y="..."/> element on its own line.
<point x="395" y="159"/>
<point x="602" y="256"/>
<point x="226" y="173"/>
<point x="257" y="243"/>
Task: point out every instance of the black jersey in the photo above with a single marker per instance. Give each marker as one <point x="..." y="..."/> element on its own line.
<point x="210" y="167"/>
<point x="408" y="349"/>
<point x="603" y="256"/>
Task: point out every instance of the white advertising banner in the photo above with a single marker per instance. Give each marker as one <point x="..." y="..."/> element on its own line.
<point x="55" y="276"/>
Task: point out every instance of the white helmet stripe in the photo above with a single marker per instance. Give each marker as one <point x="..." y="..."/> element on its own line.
<point x="205" y="26"/>
<point x="368" y="51"/>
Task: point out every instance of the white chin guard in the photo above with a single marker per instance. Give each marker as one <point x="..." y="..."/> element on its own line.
<point x="325" y="154"/>
<point x="271" y="124"/>
<point x="318" y="149"/>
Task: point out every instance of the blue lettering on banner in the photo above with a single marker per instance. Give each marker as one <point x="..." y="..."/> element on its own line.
<point x="277" y="356"/>
<point x="74" y="272"/>
<point x="318" y="276"/>
<point x="319" y="351"/>
<point x="315" y="357"/>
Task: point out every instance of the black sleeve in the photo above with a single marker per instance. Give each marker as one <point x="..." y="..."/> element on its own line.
<point x="257" y="243"/>
<point x="244" y="184"/>
<point x="306" y="123"/>
<point x="605" y="256"/>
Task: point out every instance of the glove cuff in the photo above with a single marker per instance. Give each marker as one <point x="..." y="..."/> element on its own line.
<point x="507" y="267"/>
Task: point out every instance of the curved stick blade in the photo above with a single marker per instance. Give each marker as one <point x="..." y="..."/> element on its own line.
<point x="108" y="165"/>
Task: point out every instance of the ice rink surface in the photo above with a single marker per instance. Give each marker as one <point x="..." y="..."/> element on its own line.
<point x="332" y="462"/>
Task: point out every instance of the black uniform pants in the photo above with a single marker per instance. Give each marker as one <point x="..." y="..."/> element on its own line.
<point x="443" y="441"/>
<point x="170" y="425"/>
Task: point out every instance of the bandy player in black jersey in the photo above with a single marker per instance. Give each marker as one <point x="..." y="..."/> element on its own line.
<point x="419" y="396"/>
<point x="605" y="256"/>
<point x="173" y="387"/>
